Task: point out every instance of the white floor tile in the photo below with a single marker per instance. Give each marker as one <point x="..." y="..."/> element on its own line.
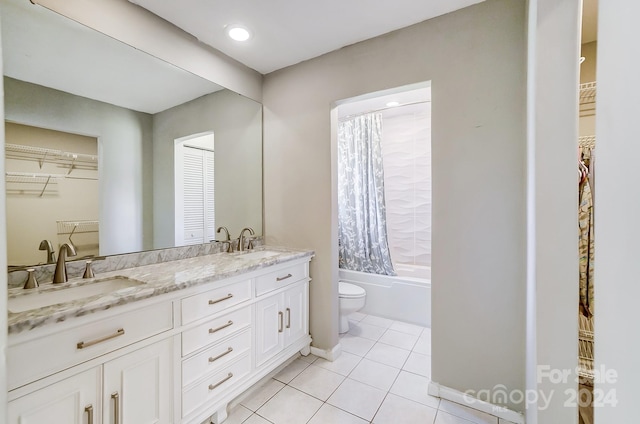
<point x="367" y="331"/>
<point x="469" y="414"/>
<point x="396" y="409"/>
<point x="331" y="415"/>
<point x="238" y="415"/>
<point x="403" y="327"/>
<point x="262" y="395"/>
<point x="418" y="364"/>
<point x="423" y="346"/>
<point x="398" y="339"/>
<point x="375" y="374"/>
<point x="446" y="418"/>
<point x="356" y="345"/>
<point x="309" y="359"/>
<point x="255" y="419"/>
<point x="414" y="387"/>
<point x="388" y="355"/>
<point x="357" y="316"/>
<point x="290" y="406"/>
<point x="380" y="322"/>
<point x="343" y="365"/>
<point x="317" y="382"/>
<point x="357" y="398"/>
<point x="291" y="371"/>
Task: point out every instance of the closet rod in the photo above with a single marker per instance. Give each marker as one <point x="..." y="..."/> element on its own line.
<point x="344" y="118"/>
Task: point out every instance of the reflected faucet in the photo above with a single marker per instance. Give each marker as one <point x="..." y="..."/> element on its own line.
<point x="60" y="274"/>
<point x="241" y="238"/>
<point x="227" y="240"/>
<point x="51" y="254"/>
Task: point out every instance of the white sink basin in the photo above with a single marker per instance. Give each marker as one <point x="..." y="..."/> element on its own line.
<point x="50" y="296"/>
<point x="258" y="254"/>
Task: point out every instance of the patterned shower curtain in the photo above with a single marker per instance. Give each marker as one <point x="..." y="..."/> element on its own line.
<point x="362" y="226"/>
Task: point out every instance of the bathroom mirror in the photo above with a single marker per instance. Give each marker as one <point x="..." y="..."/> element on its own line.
<point x="62" y="76"/>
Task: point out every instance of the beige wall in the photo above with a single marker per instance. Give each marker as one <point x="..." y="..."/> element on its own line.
<point x="236" y="123"/>
<point x="588" y="67"/>
<point x="32" y="213"/>
<point x="475" y="59"/>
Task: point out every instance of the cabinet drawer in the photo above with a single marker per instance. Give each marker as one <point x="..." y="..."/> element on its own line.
<point x="214" y="330"/>
<point x="213" y="301"/>
<point x="212" y="359"/>
<point x="275" y="280"/>
<point x="38" y="358"/>
<point x="208" y="389"/>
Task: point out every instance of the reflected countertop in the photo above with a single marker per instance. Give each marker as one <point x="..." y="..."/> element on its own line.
<point x="152" y="280"/>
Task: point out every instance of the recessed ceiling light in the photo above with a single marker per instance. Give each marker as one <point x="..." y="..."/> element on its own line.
<point x="393" y="104"/>
<point x="238" y="32"/>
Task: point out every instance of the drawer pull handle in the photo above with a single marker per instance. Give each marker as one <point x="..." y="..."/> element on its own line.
<point x="116" y="407"/>
<point x="284" y="278"/>
<point x="213" y="386"/>
<point x="222" y="327"/>
<point x="280" y="319"/>
<point x="82" y="345"/>
<point x="288" y="318"/>
<point x="215" y="358"/>
<point x="222" y="299"/>
<point x="89" y="411"/>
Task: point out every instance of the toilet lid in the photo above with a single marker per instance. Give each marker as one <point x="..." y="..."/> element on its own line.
<point x="349" y="290"/>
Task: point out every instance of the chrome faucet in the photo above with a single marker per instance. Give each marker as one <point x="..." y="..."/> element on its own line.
<point x="60" y="274"/>
<point x="51" y="254"/>
<point x="228" y="239"/>
<point x="241" y="238"/>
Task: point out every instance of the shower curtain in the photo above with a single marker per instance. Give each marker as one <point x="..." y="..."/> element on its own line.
<point x="362" y="227"/>
<point x="586" y="241"/>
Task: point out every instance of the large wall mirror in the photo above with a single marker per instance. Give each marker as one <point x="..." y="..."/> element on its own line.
<point x="103" y="142"/>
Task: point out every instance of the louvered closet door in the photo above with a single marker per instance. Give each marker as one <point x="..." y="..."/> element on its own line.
<point x="198" y="196"/>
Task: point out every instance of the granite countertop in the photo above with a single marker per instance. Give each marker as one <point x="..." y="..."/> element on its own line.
<point x="152" y="280"/>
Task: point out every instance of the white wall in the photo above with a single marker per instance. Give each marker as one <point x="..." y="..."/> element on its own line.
<point x="617" y="208"/>
<point x="236" y="123"/>
<point x="124" y="156"/>
<point x="475" y="59"/>
<point x="145" y="31"/>
<point x="552" y="205"/>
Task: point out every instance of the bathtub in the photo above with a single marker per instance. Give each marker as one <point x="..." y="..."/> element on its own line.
<point x="405" y="297"/>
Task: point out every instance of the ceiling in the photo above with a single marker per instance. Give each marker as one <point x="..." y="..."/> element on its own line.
<point x="589" y="21"/>
<point x="286" y="32"/>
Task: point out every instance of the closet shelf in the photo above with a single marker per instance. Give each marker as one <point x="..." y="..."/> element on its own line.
<point x="588" y="141"/>
<point x="43" y="155"/>
<point x="77" y="227"/>
<point x="32" y="178"/>
<point x="587" y="93"/>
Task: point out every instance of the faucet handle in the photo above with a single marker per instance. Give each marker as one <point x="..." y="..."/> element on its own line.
<point x="31" y="283"/>
<point x="88" y="271"/>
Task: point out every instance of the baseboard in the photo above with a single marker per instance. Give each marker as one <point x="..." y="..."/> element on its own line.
<point x="329" y="355"/>
<point x="456" y="396"/>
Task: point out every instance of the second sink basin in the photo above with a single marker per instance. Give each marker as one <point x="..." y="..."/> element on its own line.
<point x="52" y="296"/>
<point x="258" y="254"/>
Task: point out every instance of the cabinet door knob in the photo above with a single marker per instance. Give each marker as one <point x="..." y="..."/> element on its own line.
<point x="225" y="353"/>
<point x="280" y="316"/>
<point x="284" y="278"/>
<point x="288" y="318"/>
<point x="213" y="386"/>
<point x="82" y="345"/>
<point x="222" y="299"/>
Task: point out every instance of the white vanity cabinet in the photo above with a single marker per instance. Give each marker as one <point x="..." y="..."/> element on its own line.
<point x="179" y="357"/>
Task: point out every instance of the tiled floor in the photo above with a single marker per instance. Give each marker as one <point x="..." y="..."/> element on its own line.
<point x="381" y="377"/>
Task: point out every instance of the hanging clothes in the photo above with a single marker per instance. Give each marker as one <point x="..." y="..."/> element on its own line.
<point x="586" y="240"/>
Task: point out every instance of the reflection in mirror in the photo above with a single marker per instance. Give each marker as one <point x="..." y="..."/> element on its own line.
<point x="62" y="77"/>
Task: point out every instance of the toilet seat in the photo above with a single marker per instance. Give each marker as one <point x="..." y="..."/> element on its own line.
<point x="350" y="291"/>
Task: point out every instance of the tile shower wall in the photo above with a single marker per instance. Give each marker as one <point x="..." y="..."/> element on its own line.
<point x="406" y="150"/>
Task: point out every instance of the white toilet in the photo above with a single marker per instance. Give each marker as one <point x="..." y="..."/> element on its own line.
<point x="351" y="299"/>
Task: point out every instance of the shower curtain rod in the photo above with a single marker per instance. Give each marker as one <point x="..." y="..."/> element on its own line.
<point x="344" y="118"/>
